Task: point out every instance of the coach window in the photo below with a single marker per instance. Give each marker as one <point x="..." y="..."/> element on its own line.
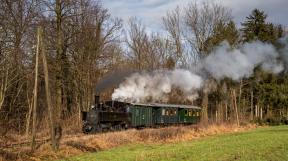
<point x="167" y="112"/>
<point x="194" y="113"/>
<point x="186" y="112"/>
<point x="171" y="112"/>
<point x="190" y="113"/>
<point x="163" y="112"/>
<point x="174" y="112"/>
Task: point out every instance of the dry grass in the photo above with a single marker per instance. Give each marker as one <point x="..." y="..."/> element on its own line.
<point x="79" y="143"/>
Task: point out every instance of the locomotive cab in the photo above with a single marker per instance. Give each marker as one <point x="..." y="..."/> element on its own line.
<point x="90" y="121"/>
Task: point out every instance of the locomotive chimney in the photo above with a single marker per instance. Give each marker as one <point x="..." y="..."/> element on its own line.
<point x="97" y="99"/>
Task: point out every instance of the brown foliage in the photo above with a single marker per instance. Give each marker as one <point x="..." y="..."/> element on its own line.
<point x="76" y="144"/>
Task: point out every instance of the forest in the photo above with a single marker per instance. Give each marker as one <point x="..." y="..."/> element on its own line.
<point x="55" y="55"/>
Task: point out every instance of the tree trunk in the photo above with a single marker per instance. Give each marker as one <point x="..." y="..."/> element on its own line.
<point x="33" y="143"/>
<point x="219" y="112"/>
<point x="286" y="112"/>
<point x="235" y="107"/>
<point x="28" y="116"/>
<point x="59" y="51"/>
<point x="204" y="117"/>
<point x="3" y="87"/>
<point x="256" y="111"/>
<point x="261" y="113"/>
<point x="216" y="111"/>
<point x="79" y="110"/>
<point x="226" y="111"/>
<point x="252" y="99"/>
<point x="240" y="94"/>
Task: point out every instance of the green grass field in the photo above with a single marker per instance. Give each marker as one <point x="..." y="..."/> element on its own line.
<point x="261" y="144"/>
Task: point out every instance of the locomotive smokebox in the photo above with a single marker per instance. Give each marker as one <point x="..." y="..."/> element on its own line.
<point x="97" y="99"/>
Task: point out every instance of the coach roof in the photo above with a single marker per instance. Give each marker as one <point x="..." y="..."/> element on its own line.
<point x="166" y="105"/>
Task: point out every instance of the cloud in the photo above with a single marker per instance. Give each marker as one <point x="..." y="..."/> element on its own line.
<point x="151" y="11"/>
<point x="276" y="9"/>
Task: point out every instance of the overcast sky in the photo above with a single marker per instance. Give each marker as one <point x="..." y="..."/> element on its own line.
<point x="150" y="12"/>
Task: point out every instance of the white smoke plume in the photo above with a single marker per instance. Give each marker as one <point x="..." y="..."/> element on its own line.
<point x="156" y="85"/>
<point x="236" y="64"/>
<point x="223" y="62"/>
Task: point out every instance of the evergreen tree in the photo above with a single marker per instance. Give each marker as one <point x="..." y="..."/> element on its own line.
<point x="254" y="26"/>
<point x="269" y="89"/>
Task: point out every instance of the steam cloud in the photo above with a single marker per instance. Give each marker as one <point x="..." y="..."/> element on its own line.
<point x="223" y="62"/>
<point x="156" y="85"/>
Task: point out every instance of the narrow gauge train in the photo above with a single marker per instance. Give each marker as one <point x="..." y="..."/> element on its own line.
<point x="115" y="115"/>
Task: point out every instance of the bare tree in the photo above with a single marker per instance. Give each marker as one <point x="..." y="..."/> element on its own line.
<point x="172" y="23"/>
<point x="16" y="24"/>
<point x="149" y="52"/>
<point x="201" y="21"/>
<point x="138" y="42"/>
<point x="93" y="49"/>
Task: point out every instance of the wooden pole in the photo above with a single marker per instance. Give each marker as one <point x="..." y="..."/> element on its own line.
<point x="33" y="143"/>
<point x="48" y="96"/>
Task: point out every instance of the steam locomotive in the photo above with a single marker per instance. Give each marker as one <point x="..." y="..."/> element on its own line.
<point x="116" y="115"/>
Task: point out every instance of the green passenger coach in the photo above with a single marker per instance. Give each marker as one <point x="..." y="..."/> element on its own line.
<point x="141" y="115"/>
<point x="153" y="114"/>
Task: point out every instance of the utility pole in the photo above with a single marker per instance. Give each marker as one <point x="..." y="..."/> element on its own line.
<point x="33" y="143"/>
<point x="48" y="95"/>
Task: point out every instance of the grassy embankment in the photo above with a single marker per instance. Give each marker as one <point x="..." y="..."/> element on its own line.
<point x="268" y="143"/>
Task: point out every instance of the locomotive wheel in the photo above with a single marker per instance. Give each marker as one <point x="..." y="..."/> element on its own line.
<point x="124" y="127"/>
<point x="118" y="127"/>
<point x="87" y="129"/>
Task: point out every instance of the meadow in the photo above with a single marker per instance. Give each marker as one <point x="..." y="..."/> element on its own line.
<point x="267" y="143"/>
